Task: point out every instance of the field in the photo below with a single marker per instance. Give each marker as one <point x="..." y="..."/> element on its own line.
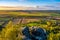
<point x="29" y="25"/>
<point x="29" y="13"/>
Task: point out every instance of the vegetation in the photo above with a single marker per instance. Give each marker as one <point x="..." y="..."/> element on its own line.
<point x="16" y="13"/>
<point x="12" y="31"/>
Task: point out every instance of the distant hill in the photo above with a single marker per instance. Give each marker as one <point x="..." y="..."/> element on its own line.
<point x="25" y="9"/>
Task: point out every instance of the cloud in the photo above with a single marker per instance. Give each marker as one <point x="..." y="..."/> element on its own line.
<point x="49" y="7"/>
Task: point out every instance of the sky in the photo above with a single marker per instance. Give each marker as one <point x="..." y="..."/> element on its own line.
<point x="43" y="4"/>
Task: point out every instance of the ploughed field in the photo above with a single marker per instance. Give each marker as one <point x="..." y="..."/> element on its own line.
<point x="22" y="25"/>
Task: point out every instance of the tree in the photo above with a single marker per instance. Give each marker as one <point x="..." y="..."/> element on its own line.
<point x="10" y="32"/>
